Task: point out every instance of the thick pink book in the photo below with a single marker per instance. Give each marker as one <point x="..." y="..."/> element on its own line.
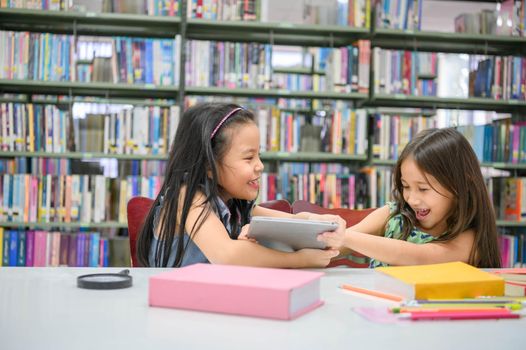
<point x="240" y="290"/>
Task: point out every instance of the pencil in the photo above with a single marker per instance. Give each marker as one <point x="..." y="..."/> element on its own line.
<point x="460" y="316"/>
<point x="399" y="310"/>
<point x="511" y="306"/>
<point x="374" y="293"/>
<point x="463" y="301"/>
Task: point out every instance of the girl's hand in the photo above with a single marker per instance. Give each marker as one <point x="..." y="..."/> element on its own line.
<point x="334" y="239"/>
<point x="243" y="235"/>
<point x="316" y="257"/>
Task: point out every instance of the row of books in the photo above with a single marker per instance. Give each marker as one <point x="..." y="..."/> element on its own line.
<point x="63" y="166"/>
<point x="502" y="141"/>
<point x="507" y="19"/>
<point x="342" y="131"/>
<point x="53" y="248"/>
<point x="501" y="78"/>
<point x="509" y="197"/>
<point x="512" y="249"/>
<point x="138" y="130"/>
<point x="399" y="14"/>
<point x="52" y="57"/>
<point x="346" y="68"/>
<point x="224" y="10"/>
<point x="354" y="13"/>
<point x="71" y="198"/>
<point x="392" y="132"/>
<point x="405" y="72"/>
<point x="145" y="7"/>
<point x="238" y="65"/>
<point x="299" y="82"/>
<point x="228" y="64"/>
<point x="141" y="130"/>
<point x="128" y="60"/>
<point x="329" y="185"/>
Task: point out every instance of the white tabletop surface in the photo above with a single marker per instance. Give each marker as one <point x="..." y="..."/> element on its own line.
<point x="42" y="308"/>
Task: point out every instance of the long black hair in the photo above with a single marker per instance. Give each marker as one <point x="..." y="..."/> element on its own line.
<point x="448" y="157"/>
<point x="201" y="141"/>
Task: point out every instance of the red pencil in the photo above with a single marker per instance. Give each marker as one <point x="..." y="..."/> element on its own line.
<point x="461" y="315"/>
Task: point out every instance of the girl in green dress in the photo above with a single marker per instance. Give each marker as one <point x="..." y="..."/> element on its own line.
<point x="441" y="211"/>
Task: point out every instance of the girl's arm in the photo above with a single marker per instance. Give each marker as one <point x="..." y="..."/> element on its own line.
<point x="215" y="243"/>
<point x="397" y="252"/>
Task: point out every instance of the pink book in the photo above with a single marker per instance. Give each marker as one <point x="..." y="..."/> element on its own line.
<point x="40" y="248"/>
<point x="240" y="290"/>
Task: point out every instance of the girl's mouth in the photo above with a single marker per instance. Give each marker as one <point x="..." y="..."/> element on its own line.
<point x="422" y="213"/>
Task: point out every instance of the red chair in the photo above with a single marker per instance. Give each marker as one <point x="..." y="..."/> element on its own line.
<point x="351" y="216"/>
<point x="137" y="209"/>
<point x="278" y="204"/>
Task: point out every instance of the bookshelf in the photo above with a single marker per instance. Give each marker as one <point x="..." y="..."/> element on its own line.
<point x="143" y="26"/>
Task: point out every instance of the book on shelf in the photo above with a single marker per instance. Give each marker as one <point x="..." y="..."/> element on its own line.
<point x="52" y="248"/>
<point x="455" y="280"/>
<point x="239" y="290"/>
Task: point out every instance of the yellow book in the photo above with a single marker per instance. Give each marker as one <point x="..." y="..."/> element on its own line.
<point x="439" y="281"/>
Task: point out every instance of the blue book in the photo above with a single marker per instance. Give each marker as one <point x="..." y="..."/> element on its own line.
<point x="148" y="64"/>
<point x="13" y="248"/>
<point x="81" y="238"/>
<point x="21" y="258"/>
<point x="106" y="253"/>
<point x="478" y="142"/>
<point x="94" y="249"/>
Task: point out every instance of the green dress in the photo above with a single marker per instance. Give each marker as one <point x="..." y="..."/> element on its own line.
<point x="394" y="230"/>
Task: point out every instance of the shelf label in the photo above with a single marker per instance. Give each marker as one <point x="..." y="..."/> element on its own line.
<point x="149" y="86"/>
<point x="91" y="14"/>
<point x="400" y="96"/>
<point x="88" y="155"/>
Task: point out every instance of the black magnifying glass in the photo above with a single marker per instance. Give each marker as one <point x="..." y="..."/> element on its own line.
<point x="105" y="280"/>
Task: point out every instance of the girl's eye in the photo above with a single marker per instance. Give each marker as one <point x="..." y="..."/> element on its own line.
<point x="405" y="187"/>
<point x="423" y="189"/>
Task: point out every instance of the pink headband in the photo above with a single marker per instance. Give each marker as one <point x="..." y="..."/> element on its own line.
<point x="223" y="121"/>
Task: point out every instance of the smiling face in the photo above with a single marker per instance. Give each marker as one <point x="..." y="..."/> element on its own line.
<point x="240" y="168"/>
<point x="430" y="201"/>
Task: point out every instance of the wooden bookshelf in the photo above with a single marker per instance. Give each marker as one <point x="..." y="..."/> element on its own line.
<point x="448" y="42"/>
<point x="89" y="23"/>
<point x="471" y="103"/>
<point x="321" y="157"/>
<point x="105" y="90"/>
<point x="81" y="155"/>
<point x="274" y="33"/>
<point x="64" y="225"/>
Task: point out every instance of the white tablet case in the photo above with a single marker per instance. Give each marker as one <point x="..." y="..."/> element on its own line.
<point x="288" y="234"/>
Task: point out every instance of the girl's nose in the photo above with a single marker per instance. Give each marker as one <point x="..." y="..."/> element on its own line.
<point x="260" y="166"/>
<point x="412" y="199"/>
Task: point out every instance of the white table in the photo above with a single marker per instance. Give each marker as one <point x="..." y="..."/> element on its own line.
<point x="41" y="308"/>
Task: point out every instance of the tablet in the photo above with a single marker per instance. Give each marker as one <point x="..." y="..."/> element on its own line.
<point x="288" y="234"/>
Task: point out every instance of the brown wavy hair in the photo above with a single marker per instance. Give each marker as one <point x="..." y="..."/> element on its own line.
<point x="448" y="157"/>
